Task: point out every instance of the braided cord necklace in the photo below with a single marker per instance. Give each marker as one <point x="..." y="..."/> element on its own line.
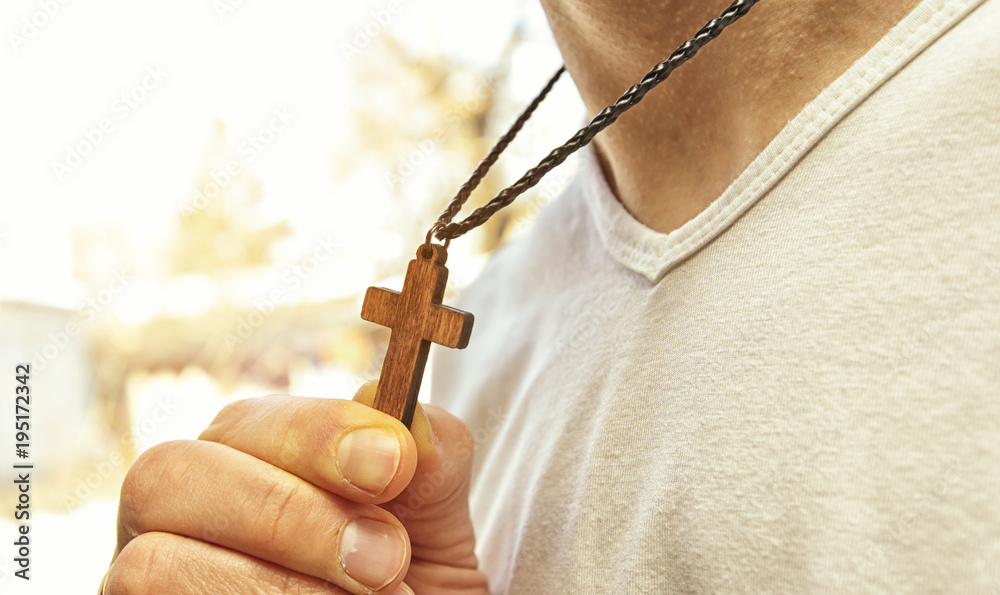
<point x="415" y="314"/>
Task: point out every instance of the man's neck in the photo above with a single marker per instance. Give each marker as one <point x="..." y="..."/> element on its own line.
<point x="681" y="147"/>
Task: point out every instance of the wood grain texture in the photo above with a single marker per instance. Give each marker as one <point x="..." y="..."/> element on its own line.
<point x="417" y="319"/>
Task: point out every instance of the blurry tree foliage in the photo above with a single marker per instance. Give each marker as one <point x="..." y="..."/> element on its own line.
<point x="220" y="227"/>
<point x="425" y="121"/>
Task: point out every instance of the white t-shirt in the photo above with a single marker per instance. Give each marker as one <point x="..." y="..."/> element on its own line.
<point x="796" y="391"/>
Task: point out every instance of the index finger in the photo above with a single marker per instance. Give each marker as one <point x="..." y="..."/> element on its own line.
<point x="344" y="447"/>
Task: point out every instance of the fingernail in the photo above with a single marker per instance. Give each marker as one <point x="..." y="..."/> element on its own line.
<point x="402" y="590"/>
<point x="369" y="457"/>
<point x="372" y="552"/>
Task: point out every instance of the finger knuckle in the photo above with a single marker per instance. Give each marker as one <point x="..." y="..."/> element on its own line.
<point x="145" y="566"/>
<point x="243" y="407"/>
<point x="150" y="471"/>
<point x="232" y="415"/>
<point x="290" y="584"/>
<point x="281" y="512"/>
<point x="233" y="410"/>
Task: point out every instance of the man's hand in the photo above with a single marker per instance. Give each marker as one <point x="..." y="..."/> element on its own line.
<point x="296" y="495"/>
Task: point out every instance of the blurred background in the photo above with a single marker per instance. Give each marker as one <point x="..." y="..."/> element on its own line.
<point x="195" y="196"/>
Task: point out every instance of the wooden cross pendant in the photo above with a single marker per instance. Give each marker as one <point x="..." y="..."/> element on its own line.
<point x="417" y="319"/>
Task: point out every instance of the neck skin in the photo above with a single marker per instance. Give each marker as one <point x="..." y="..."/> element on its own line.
<point x="678" y="150"/>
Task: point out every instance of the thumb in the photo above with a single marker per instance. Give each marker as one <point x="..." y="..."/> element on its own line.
<point x="439" y="489"/>
<point x="420" y="427"/>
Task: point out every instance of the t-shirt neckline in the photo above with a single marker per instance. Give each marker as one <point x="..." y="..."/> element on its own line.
<point x="653" y="254"/>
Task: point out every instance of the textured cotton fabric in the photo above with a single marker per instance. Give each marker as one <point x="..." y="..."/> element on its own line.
<point x="797" y="391"/>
